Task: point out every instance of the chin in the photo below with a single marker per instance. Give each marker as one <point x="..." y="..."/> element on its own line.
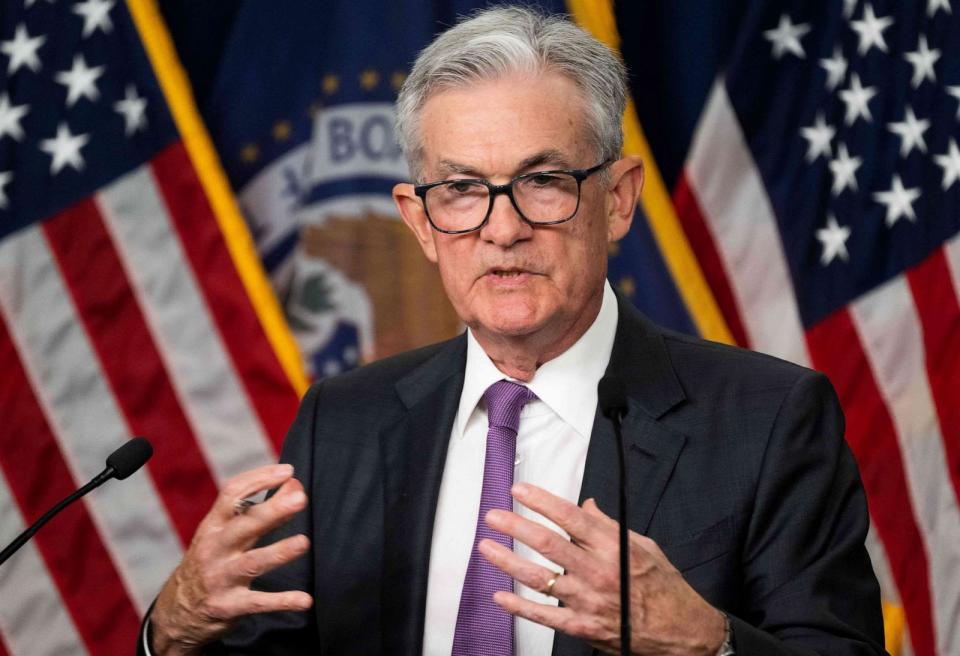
<point x="512" y="321"/>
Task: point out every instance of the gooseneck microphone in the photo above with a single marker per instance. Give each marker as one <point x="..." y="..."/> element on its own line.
<point x="120" y="464"/>
<point x="612" y="400"/>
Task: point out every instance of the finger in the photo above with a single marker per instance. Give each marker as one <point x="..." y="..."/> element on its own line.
<point x="550" y="544"/>
<point x="247" y="484"/>
<point x="256" y="562"/>
<point x="264" y="517"/>
<point x="291" y="489"/>
<point x="238" y="603"/>
<point x="559" y="618"/>
<point x="591" y="508"/>
<point x="528" y="573"/>
<point x="647" y="547"/>
<point x="579" y="525"/>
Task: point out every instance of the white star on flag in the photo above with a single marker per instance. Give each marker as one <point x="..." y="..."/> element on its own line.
<point x="856" y="98"/>
<point x="955" y="92"/>
<point x="786" y="37"/>
<point x="934" y="5"/>
<point x="836" y="68"/>
<point x="818" y="137"/>
<point x="133" y="109"/>
<point x="29" y="3"/>
<point x="22" y="50"/>
<point x="950" y="163"/>
<point x="96" y="14"/>
<point x="910" y="130"/>
<point x="922" y="59"/>
<point x="834" y="240"/>
<point x="65" y="149"/>
<point x="848" y="7"/>
<point x="10" y="116"/>
<point x="899" y="201"/>
<point x="80" y="81"/>
<point x="870" y="30"/>
<point x="844" y="169"/>
<point x="5" y="178"/>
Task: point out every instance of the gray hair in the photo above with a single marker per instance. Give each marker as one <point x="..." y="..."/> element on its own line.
<point x="502" y="40"/>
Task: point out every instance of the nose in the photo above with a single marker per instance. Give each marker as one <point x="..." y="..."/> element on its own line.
<point x="505" y="226"/>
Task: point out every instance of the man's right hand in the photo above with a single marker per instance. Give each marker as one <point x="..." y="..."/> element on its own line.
<point x="211" y="586"/>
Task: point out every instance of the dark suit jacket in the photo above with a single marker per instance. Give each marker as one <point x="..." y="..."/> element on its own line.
<point x="738" y="470"/>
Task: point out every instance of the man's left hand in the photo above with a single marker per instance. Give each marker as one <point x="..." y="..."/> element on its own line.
<point x="667" y="616"/>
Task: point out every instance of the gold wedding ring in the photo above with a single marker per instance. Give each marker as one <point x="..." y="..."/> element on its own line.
<point x="552" y="582"/>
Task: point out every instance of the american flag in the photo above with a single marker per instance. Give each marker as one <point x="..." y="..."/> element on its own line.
<point x="131" y="302"/>
<point x="822" y="198"/>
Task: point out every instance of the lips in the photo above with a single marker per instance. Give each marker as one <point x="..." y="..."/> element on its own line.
<point x="507" y="277"/>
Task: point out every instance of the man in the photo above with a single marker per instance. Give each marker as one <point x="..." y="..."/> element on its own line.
<point x="395" y="533"/>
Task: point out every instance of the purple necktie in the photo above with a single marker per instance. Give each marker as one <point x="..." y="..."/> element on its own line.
<point x="483" y="628"/>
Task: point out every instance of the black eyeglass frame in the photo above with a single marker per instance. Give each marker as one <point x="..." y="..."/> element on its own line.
<point x="507" y="189"/>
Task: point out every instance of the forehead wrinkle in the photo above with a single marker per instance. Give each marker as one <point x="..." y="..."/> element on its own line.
<point x="548" y="156"/>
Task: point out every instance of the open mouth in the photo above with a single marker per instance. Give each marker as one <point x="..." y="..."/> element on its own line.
<point x="508" y="277"/>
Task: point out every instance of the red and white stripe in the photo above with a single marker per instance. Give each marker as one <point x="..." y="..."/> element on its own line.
<point x="122" y="315"/>
<point x="71" y="388"/>
<point x="890" y="331"/>
<point x="32" y="619"/>
<point x="893" y="356"/>
<point x="739" y="220"/>
<point x="206" y="382"/>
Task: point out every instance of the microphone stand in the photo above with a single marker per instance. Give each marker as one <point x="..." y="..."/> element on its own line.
<point x="612" y="400"/>
<point x="123" y="462"/>
<point x="624" y="541"/>
<point x="99" y="480"/>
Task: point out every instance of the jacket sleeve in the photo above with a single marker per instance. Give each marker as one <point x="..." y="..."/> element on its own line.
<point x="808" y="585"/>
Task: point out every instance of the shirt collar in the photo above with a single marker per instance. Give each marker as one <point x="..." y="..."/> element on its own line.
<point x="567" y="384"/>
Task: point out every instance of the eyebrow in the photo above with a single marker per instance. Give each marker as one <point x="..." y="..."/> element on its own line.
<point x="550" y="156"/>
<point x="446" y="167"/>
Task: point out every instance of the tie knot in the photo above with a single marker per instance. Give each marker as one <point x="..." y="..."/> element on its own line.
<point x="505" y="400"/>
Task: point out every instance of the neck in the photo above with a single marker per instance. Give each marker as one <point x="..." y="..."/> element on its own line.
<point x="519" y="356"/>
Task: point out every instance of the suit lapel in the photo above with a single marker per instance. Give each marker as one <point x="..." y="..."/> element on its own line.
<point x="639" y="359"/>
<point x="415" y="449"/>
<point x="652" y="453"/>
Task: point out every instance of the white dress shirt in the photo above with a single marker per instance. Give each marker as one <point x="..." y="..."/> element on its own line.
<point x="551" y="453"/>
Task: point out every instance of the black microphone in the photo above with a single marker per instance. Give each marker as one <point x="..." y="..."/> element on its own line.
<point x="120" y="464"/>
<point x="612" y="400"/>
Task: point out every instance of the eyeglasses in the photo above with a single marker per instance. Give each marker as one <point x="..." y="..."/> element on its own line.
<point x="540" y="198"/>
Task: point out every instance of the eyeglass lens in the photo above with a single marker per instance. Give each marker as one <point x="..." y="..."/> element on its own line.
<point x="541" y="198"/>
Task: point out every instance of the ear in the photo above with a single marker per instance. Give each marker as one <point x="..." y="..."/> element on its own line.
<point x="413" y="214"/>
<point x="626" y="182"/>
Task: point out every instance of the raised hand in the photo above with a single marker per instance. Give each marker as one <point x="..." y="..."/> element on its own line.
<point x="667" y="616"/>
<point x="211" y="586"/>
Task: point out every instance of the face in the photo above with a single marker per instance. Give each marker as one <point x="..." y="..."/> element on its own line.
<point x="510" y="279"/>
